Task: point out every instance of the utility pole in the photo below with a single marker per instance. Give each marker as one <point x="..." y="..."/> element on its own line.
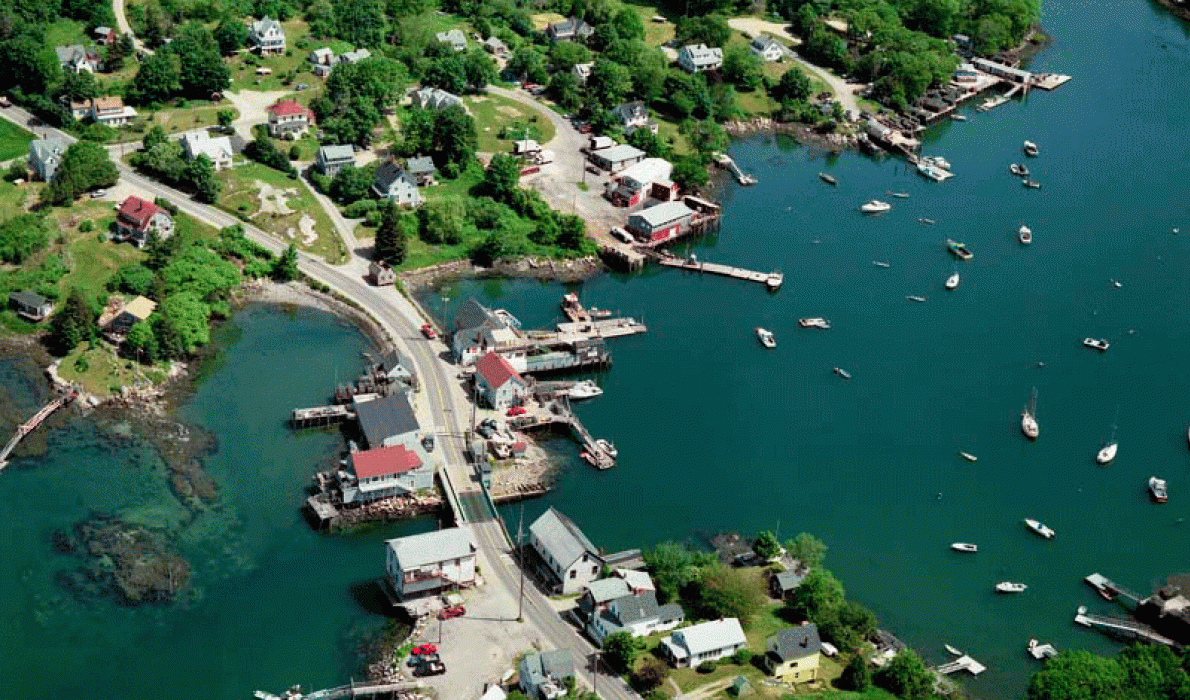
<point x="520" y="555"/>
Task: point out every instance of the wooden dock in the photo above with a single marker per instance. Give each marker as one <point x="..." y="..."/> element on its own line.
<point x="352" y="690"/>
<point x="603" y="328"/>
<point x="1124" y="627"/>
<point x="30" y="425"/>
<point x="963" y="663"/>
<point x="320" y="416"/>
<point x="771" y="280"/>
<point x="593" y="453"/>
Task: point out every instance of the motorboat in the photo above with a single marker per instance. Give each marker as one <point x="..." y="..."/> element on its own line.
<point x="828" y="179"/>
<point x="1029" y="418"/>
<point x="959" y="250"/>
<point x="952" y="281"/>
<point x="926" y="221"/>
<point x="933" y="172"/>
<point x="964" y="547"/>
<point x="1107" y="454"/>
<point x="608" y="448"/>
<point x="1117" y="284"/>
<point x="585" y="389"/>
<point x="1019" y="169"/>
<point x="842" y="373"/>
<point x="875" y="206"/>
<point x="953" y="650"/>
<point x="880" y="263"/>
<point x="1025" y="234"/>
<point x="914" y="297"/>
<point x="1041" y="651"/>
<point x="1099" y="344"/>
<point x="899" y="195"/>
<point x="1031" y="149"/>
<point x="1157" y="489"/>
<point x="766" y="338"/>
<point x="774" y="280"/>
<point x="937" y="162"/>
<point x="1010" y="587"/>
<point x="968" y="456"/>
<point x="1039" y="528"/>
<point x="814" y="323"/>
<point x="958" y="117"/>
<point x="1033" y="184"/>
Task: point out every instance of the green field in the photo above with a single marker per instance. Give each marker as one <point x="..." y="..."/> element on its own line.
<point x="64" y="32"/>
<point x="195" y="114"/>
<point x="14" y="141"/>
<point x="243" y="67"/>
<point x="499" y="121"/>
<point x="101" y="372"/>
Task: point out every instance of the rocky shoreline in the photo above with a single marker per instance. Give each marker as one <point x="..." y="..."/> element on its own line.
<point x="763" y="125"/>
<point x="575" y="270"/>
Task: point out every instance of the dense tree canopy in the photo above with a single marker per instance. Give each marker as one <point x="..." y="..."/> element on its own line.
<point x="674" y="566"/>
<point x="85" y="166"/>
<point x="726" y="591"/>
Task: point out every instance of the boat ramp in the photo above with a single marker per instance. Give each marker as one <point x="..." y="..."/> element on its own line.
<point x="1123" y="627"/>
<point x="771" y="280"/>
<point x="30" y="425"/>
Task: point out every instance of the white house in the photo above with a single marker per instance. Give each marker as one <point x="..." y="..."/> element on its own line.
<point x="542" y="676"/>
<point x="708" y="641"/>
<point x="455" y="38"/>
<point x="331" y="159"/>
<point x="632" y="116"/>
<point x="582" y="71"/>
<point x="498" y="383"/>
<point x="392" y="182"/>
<point x="137" y="218"/>
<point x="569" y="556"/>
<point x="466" y="330"/>
<point x="76" y="59"/>
<point x="638" y="615"/>
<point x="767" y="48"/>
<point x="697" y="58"/>
<point x="289" y="119"/>
<point x="45" y="154"/>
<point x="431" y="562"/>
<point x="383" y="472"/>
<point x="321" y="61"/>
<point x="266" y="36"/>
<point x="217" y="148"/>
<point x="111" y="111"/>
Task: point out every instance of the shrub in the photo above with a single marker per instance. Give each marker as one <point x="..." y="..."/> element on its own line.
<point x="707" y="667"/>
<point x="742" y="657"/>
<point x="86" y="226"/>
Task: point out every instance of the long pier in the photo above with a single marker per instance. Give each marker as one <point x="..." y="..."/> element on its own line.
<point x="772" y="280"/>
<point x="30" y="425"/>
<point x="1124" y="627"/>
<point x="352" y="690"/>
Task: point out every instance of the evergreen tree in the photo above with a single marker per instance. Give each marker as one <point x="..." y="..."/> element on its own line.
<point x="285" y="267"/>
<point x="201" y="174"/>
<point x="391" y="244"/>
<point x="141" y="343"/>
<point x="856" y="675"/>
<point x="74" y="323"/>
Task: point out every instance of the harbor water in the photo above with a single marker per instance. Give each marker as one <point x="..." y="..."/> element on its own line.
<point x="717" y="433"/>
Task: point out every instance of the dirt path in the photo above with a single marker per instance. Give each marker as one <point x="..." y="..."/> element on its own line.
<point x="251" y="105"/>
<point x="125" y="28"/>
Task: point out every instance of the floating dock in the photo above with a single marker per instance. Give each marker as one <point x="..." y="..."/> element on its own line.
<point x="771" y="280"/>
<point x="1109" y="589"/>
<point x="963" y="663"/>
<point x="30" y="425"/>
<point x="1123" y="627"/>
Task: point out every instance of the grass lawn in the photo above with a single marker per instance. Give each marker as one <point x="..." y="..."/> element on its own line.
<point x="193" y="114"/>
<point x="13" y="198"/>
<point x="91" y="261"/>
<point x="439" y="21"/>
<point x="500" y="121"/>
<point x="656" y="33"/>
<point x="545" y="19"/>
<point x="668" y="130"/>
<point x="243" y="67"/>
<point x="64" y="32"/>
<point x="241" y="197"/>
<point x="14" y="141"/>
<point x="102" y="372"/>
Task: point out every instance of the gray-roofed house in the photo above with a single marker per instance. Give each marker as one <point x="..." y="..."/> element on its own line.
<point x="569" y="556"/>
<point x="467" y="330"/>
<point x="45" y="154"/>
<point x="431" y="562"/>
<point x="387" y="420"/>
<point x="434" y="98"/>
<point x="767" y="48"/>
<point x="783" y="583"/>
<point x="422" y="170"/>
<point x="396" y="368"/>
<point x="30" y="306"/>
<point x="569" y="30"/>
<point x="792" y="655"/>
<point x="617" y="158"/>
<point x="638" y="615"/>
<point x="543" y="675"/>
<point x="77" y="58"/>
<point x="455" y="38"/>
<point x="331" y="159"/>
<point x="494" y="46"/>
<point x="392" y="182"/>
<point x="697" y="58"/>
<point x="266" y="36"/>
<point x="354" y="56"/>
<point x="633" y="116"/>
<point x="322" y="61"/>
<point x="597" y="594"/>
<point x="707" y="641"/>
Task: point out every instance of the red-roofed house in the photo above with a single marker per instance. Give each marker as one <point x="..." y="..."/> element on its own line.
<point x="498" y="382"/>
<point x="289" y="119"/>
<point x="387" y="471"/>
<point x="137" y="217"/>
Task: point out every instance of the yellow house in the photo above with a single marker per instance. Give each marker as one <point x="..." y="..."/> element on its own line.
<point x="792" y="654"/>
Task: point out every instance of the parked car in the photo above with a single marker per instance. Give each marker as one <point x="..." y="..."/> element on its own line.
<point x="435" y="668"/>
<point x="428" y="331"/>
<point x="98" y="194"/>
<point x="517" y="411"/>
<point x="452" y="611"/>
<point x="485" y="431"/>
<point x="425" y="650"/>
<point x="4" y="101"/>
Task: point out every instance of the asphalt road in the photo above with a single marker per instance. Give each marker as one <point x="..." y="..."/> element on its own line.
<point x="448" y="406"/>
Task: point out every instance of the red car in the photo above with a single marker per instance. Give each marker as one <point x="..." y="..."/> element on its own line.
<point x="428" y="331"/>
<point x="517" y="410"/>
<point x="452" y="611"/>
<point x="425" y="650"/>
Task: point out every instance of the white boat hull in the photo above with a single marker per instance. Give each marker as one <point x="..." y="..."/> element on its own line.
<point x="964" y="547"/>
<point x="1107" y="454"/>
<point x="1009" y="587"/>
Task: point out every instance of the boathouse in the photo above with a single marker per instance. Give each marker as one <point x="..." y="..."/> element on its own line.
<point x="498" y="383"/>
<point x="792" y="655"/>
<point x="633" y="185"/>
<point x="661" y="221"/>
<point x="570" y="560"/>
<point x="431" y="562"/>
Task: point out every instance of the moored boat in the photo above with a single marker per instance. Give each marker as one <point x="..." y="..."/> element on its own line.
<point x="1039" y="528"/>
<point x="1107" y="454"/>
<point x="953" y="650"/>
<point x="1041" y="651"/>
<point x="958" y="117"/>
<point x="1025" y="234"/>
<point x="900" y="195"/>
<point x="1031" y="149"/>
<point x="1031" y="183"/>
<point x="1010" y="587"/>
<point x="775" y="279"/>
<point x="842" y="373"/>
<point x="1019" y="169"/>
<point x="933" y="172"/>
<point x="814" y="323"/>
<point x="937" y="162"/>
<point x="952" y="281"/>
<point x="1029" y="418"/>
<point x="880" y="263"/>
<point x="585" y="389"/>
<point x="1158" y="490"/>
<point x="828" y="179"/>
<point x="959" y="250"/>
<point x="1099" y="344"/>
<point x="1104" y="587"/>
<point x="875" y="206"/>
<point x="968" y="456"/>
<point x="766" y="338"/>
<point x="964" y="547"/>
<point x="926" y="221"/>
<point x="608" y="448"/>
<point x="914" y="297"/>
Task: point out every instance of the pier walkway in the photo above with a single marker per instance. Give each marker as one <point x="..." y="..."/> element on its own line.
<point x="1124" y="627"/>
<point x="352" y="690"/>
<point x="772" y="280"/>
<point x="30" y="425"/>
<point x="594" y="451"/>
<point x="728" y="163"/>
<point x="963" y="663"/>
<point x="320" y="416"/>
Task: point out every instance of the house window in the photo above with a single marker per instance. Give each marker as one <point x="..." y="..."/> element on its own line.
<point x="573" y="572"/>
<point x="594" y="570"/>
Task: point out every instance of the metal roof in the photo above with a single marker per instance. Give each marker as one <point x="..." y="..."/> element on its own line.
<point x="617" y="154"/>
<point x="339" y="152"/>
<point x="432" y="547"/>
<point x="420" y="165"/>
<point x="385" y="417"/>
<point x="606" y="589"/>
<point x="472" y="314"/>
<point x="561" y="537"/>
<point x="664" y="213"/>
<point x="710" y="636"/>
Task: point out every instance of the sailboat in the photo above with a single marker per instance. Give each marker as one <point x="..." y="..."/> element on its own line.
<point x="953" y="280"/>
<point x="1029" y="417"/>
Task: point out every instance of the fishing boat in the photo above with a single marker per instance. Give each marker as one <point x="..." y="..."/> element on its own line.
<point x="875" y="206"/>
<point x="585" y="389"/>
<point x="1010" y="587"/>
<point x="952" y="281"/>
<point x="1025" y="234"/>
<point x="937" y="162"/>
<point x="1029" y="417"/>
<point x="1019" y="169"/>
<point x="1031" y="183"/>
<point x="842" y="373"/>
<point x="879" y="263"/>
<point x="1039" y="528"/>
<point x="964" y="547"/>
<point x="1041" y="651"/>
<point x="828" y="179"/>
<point x="814" y="323"/>
<point x="914" y="297"/>
<point x="968" y="456"/>
<point x="959" y="250"/>
<point x="1157" y="490"/>
<point x="958" y="117"/>
<point x="1031" y="149"/>
<point x="608" y="448"/>
<point x="1099" y="344"/>
<point x="766" y="338"/>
